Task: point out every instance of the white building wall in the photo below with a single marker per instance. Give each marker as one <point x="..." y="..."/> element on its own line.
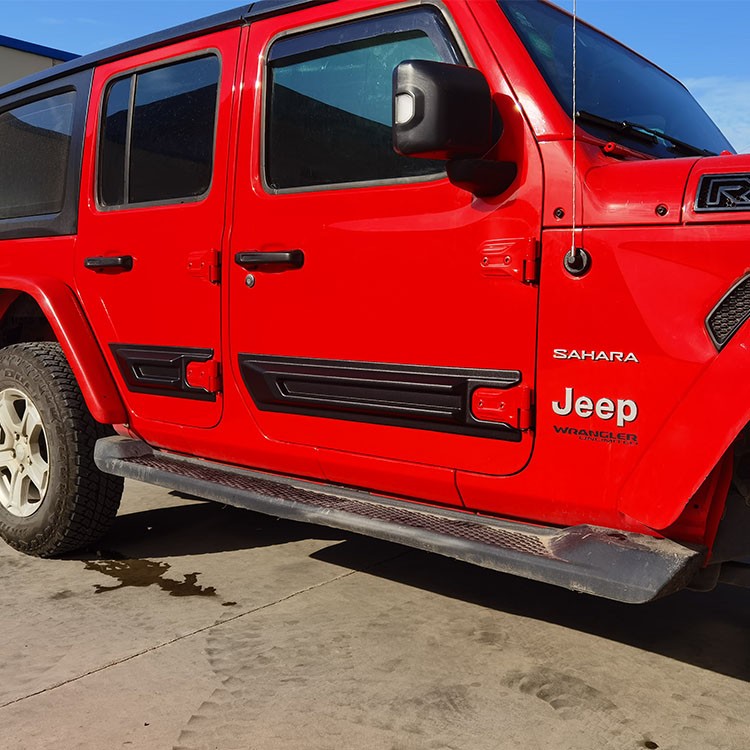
<point x="15" y="64"/>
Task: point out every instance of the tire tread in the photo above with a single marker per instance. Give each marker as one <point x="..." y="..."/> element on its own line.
<point x="93" y="497"/>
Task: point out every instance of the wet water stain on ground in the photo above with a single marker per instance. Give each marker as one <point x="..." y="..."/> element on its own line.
<point x="142" y="573"/>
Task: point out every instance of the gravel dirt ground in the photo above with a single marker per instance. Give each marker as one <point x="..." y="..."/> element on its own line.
<point x="197" y="626"/>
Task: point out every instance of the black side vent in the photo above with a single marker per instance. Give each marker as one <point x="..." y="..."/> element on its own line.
<point x="731" y="312"/>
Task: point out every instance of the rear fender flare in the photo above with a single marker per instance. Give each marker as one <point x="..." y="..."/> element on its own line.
<point x="60" y="306"/>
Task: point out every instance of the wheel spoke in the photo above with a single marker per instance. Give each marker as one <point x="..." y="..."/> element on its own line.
<point x="31" y="421"/>
<point x="37" y="473"/>
<point x="17" y="494"/>
<point x="9" y="419"/>
<point x="24" y="463"/>
<point x="5" y="481"/>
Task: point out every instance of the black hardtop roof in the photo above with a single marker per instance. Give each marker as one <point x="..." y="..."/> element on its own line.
<point x="243" y="14"/>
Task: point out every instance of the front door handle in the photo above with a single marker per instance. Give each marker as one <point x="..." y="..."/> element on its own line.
<point x="104" y="262"/>
<point x="287" y="260"/>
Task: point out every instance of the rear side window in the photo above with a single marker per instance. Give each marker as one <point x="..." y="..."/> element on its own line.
<point x="157" y="134"/>
<point x="35" y="143"/>
<point x="328" y="113"/>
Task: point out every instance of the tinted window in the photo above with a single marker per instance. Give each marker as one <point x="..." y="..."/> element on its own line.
<point x="329" y="101"/>
<point x="114" y="133"/>
<point x="611" y="82"/>
<point x="157" y="140"/>
<point x="34" y="147"/>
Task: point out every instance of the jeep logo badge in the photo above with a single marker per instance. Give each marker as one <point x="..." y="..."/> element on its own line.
<point x="623" y="410"/>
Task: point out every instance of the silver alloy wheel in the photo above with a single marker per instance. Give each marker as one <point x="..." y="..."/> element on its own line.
<point x="24" y="460"/>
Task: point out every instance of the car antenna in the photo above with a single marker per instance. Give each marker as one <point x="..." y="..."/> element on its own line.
<point x="577" y="261"/>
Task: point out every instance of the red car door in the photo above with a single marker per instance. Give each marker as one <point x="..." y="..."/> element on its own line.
<point x="375" y="308"/>
<point x="152" y="223"/>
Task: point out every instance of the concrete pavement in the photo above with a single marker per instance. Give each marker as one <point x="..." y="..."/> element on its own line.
<point x="201" y="626"/>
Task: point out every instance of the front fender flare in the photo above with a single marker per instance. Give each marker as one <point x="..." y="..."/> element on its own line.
<point x="693" y="439"/>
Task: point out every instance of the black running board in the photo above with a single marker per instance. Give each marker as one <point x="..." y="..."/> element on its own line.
<point x="617" y="565"/>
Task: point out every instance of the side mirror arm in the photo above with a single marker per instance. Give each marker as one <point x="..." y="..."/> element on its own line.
<point x="482" y="177"/>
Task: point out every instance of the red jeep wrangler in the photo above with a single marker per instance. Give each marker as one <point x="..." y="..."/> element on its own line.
<point x="364" y="264"/>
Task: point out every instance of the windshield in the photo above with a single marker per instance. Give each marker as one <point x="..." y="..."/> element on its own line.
<point x="613" y="84"/>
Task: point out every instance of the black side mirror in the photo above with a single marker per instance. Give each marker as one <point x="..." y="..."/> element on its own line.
<point x="444" y="111"/>
<point x="441" y="111"/>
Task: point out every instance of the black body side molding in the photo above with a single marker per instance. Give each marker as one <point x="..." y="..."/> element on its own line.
<point x="426" y="398"/>
<point x="161" y="370"/>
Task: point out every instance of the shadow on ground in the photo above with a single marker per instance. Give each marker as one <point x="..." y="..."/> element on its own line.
<point x="708" y="630"/>
<point x="199" y="529"/>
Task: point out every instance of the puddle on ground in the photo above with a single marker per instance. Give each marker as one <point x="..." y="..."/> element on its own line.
<point x="142" y="573"/>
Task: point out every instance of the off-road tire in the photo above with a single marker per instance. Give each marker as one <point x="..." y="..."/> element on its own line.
<point x="80" y="502"/>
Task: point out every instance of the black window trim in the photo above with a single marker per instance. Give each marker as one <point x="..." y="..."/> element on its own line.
<point x="131" y="73"/>
<point x="65" y="222"/>
<point x="456" y="41"/>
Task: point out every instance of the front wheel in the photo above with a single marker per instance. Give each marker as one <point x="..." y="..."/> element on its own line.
<point x="53" y="499"/>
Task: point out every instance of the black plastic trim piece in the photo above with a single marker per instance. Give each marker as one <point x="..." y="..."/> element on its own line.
<point x="268" y="8"/>
<point x="735" y="574"/>
<point x="286" y="260"/>
<point x="453" y="111"/>
<point x="623" y="566"/>
<point x="425" y="398"/>
<point x="109" y="262"/>
<point x="65" y="222"/>
<point x="723" y="193"/>
<point x="729" y="314"/>
<point x="161" y="370"/>
<point x="297" y="44"/>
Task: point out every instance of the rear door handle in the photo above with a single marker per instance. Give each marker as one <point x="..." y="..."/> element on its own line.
<point x="287" y="260"/>
<point x="103" y="262"/>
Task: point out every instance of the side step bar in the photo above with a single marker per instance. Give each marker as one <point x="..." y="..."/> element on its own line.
<point x="617" y="565"/>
